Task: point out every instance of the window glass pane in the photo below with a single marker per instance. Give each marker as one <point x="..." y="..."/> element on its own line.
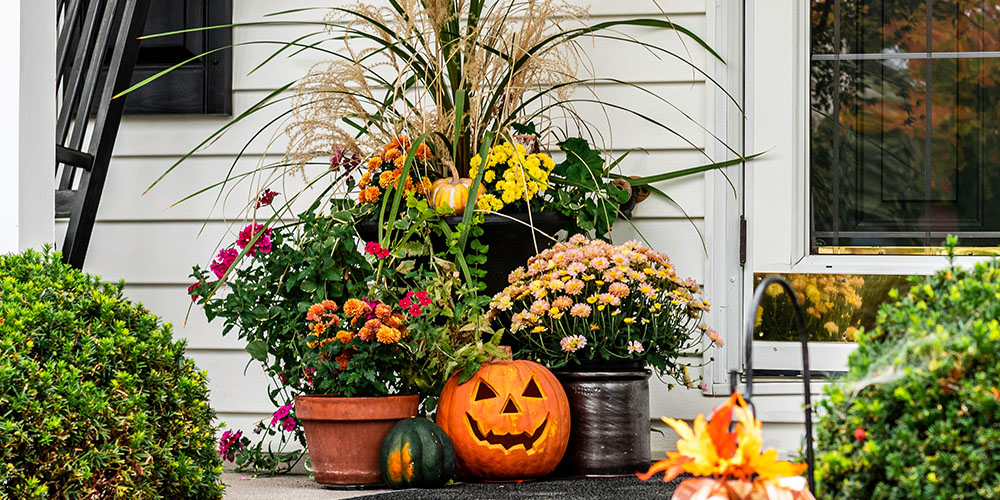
<point x="836" y="306"/>
<point x="905" y="142"/>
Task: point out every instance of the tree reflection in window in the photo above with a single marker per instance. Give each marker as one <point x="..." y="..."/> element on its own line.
<point x="905" y="122"/>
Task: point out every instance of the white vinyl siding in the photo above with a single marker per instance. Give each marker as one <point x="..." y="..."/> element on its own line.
<point x="153" y="246"/>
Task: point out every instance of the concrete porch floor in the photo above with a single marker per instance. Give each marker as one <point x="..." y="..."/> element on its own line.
<point x="298" y="486"/>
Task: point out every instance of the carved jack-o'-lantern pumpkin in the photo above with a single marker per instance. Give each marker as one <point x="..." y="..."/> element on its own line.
<point x="509" y="421"/>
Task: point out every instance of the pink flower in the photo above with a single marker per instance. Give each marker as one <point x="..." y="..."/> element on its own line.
<point x="263" y="243"/>
<point x="223" y="261"/>
<point x="860" y="434"/>
<point x="618" y="289"/>
<point x="284" y="416"/>
<point x="580" y="311"/>
<point x="573" y="343"/>
<point x="424" y="298"/>
<point x="229" y="444"/>
<point x="415" y="310"/>
<point x="634" y="346"/>
<point x="563" y="302"/>
<point x="373" y="248"/>
<point x="266" y="198"/>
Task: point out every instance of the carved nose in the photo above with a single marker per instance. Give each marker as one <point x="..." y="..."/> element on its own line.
<point x="510" y="407"/>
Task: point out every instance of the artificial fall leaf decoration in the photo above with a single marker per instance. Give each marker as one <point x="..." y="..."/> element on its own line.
<point x="731" y="465"/>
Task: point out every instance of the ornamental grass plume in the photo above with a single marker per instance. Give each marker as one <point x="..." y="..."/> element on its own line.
<point x="729" y="465"/>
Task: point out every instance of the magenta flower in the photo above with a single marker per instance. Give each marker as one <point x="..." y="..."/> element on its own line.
<point x="284" y="416"/>
<point x="263" y="243"/>
<point x="266" y="198"/>
<point x="231" y="443"/>
<point x="223" y="261"/>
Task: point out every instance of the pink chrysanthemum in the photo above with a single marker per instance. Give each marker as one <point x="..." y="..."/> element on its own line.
<point x="573" y="343"/>
<point x="580" y="311"/>
<point x="634" y="346"/>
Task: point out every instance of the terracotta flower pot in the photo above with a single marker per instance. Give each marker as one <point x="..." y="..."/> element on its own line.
<point x="344" y="435"/>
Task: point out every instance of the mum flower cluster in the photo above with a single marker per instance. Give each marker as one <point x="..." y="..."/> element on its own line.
<point x="594" y="300"/>
<point x="383" y="171"/>
<point x="736" y="462"/>
<point x="510" y="175"/>
<point x="365" y="322"/>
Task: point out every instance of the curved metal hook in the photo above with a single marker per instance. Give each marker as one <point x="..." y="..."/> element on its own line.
<point x="800" y="321"/>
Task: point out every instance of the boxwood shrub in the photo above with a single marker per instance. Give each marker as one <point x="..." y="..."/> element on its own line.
<point x="918" y="415"/>
<point x="97" y="401"/>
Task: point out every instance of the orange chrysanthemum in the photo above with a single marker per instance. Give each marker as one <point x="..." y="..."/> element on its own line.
<point x="386" y="179"/>
<point x="423" y="152"/>
<point x="344" y="336"/>
<point x="343" y="358"/>
<point x="374" y="163"/>
<point x="383" y="312"/>
<point x="329" y="305"/>
<point x="314" y="312"/>
<point x="424" y="187"/>
<point x="369" y="195"/>
<point x="390" y="155"/>
<point x="365" y="334"/>
<point x="395" y="321"/>
<point x="387" y="335"/>
<point x="355" y="308"/>
<point x="709" y="449"/>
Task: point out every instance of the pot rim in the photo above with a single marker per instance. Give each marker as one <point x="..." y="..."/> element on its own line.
<point x="325" y="407"/>
<point x="590" y="375"/>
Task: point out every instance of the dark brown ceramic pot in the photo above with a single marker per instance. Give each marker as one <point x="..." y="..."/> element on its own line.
<point x="344" y="435"/>
<point x="609" y="412"/>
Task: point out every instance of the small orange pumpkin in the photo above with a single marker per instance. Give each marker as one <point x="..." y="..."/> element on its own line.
<point x="452" y="192"/>
<point x="510" y="421"/>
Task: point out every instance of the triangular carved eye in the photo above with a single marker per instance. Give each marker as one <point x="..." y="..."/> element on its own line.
<point x="484" y="392"/>
<point x="532" y="390"/>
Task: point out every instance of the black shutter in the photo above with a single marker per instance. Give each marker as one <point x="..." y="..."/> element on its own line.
<point x="202" y="86"/>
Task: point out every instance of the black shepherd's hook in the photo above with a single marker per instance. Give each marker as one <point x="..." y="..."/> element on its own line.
<point x="800" y="320"/>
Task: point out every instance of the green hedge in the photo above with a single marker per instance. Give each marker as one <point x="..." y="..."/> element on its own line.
<point x="918" y="415"/>
<point x="97" y="401"/>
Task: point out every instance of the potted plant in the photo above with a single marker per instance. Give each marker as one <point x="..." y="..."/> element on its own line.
<point x="729" y="464"/>
<point x="354" y="357"/>
<point x="598" y="314"/>
<point x="267" y="287"/>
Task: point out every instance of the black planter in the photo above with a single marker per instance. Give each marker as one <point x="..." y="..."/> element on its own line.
<point x="508" y="237"/>
<point x="609" y="426"/>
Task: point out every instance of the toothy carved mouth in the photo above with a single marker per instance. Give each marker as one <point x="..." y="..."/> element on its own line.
<point x="508" y="441"/>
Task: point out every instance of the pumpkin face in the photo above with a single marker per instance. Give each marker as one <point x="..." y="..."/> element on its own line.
<point x="452" y="193"/>
<point x="509" y="421"/>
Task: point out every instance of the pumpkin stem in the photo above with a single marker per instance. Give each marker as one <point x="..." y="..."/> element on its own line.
<point x="454" y="172"/>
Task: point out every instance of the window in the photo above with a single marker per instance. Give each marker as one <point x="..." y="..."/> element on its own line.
<point x="905" y="125"/>
<point x="203" y="86"/>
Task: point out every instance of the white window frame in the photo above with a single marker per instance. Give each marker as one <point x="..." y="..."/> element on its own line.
<point x="777" y="209"/>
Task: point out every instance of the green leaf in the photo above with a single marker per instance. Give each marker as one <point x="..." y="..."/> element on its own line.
<point x="257" y="350"/>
